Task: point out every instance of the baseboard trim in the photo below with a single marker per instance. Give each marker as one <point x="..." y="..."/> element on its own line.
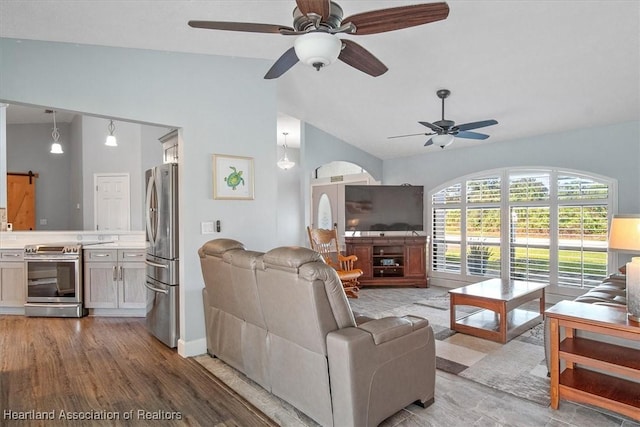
<point x="192" y="348"/>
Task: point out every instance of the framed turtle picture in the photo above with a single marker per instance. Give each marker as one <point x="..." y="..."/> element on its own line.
<point x="232" y="177"/>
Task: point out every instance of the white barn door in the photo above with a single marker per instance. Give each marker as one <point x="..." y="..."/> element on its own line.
<point x="112" y="209"/>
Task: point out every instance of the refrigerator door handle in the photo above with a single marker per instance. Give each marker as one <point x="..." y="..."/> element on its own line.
<point x="151" y="217"/>
<point x="155" y="264"/>
<point x="151" y="288"/>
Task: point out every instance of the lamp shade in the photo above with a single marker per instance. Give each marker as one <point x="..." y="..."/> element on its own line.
<point x="56" y="148"/>
<point x="285" y="163"/>
<point x="318" y="49"/>
<point x="624" y="234"/>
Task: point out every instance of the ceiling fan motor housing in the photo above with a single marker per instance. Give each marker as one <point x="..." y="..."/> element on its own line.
<point x="445" y="124"/>
<point x="303" y="22"/>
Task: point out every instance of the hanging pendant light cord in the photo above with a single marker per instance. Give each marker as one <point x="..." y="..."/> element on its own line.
<point x="55" y="134"/>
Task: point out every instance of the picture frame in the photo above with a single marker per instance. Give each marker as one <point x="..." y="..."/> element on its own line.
<point x="233" y="177"/>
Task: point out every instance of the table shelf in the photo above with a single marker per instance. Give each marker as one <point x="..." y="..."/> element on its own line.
<point x="595" y="372"/>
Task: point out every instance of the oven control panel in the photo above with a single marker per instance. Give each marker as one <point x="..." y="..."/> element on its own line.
<point x="52" y="249"/>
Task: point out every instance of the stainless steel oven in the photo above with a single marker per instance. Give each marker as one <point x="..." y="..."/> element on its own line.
<point x="54" y="280"/>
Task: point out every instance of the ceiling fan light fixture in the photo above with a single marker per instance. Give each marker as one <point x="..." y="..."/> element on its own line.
<point x="317" y="49"/>
<point x="442" y="140"/>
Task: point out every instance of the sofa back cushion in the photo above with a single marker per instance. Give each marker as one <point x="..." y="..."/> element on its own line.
<point x="245" y="301"/>
<point x="302" y="297"/>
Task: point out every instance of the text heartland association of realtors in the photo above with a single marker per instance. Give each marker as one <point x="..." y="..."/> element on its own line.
<point x="138" y="414"/>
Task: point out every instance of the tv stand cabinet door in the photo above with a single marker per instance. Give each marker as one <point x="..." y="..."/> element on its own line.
<point x="415" y="260"/>
<point x="365" y="258"/>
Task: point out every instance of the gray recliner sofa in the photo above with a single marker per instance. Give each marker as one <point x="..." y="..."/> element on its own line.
<point x="282" y="319"/>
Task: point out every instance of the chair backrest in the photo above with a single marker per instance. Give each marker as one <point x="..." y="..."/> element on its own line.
<point x="325" y="242"/>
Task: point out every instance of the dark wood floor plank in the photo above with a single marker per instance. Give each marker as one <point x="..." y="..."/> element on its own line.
<point x="108" y="367"/>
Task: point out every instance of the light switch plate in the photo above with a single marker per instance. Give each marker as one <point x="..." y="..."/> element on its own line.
<point x="207" y="227"/>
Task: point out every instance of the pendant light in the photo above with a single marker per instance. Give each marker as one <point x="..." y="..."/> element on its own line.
<point x="111" y="139"/>
<point x="285" y="163"/>
<point x="56" y="148"/>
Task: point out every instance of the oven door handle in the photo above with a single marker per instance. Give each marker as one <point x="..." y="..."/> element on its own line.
<point x="155" y="264"/>
<point x="151" y="288"/>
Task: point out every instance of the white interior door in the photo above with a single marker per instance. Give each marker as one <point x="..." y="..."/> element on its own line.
<point x="325" y="203"/>
<point x="112" y="209"/>
<point x="328" y="204"/>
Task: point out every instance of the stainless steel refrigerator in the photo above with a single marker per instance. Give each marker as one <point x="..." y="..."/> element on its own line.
<point x="161" y="217"/>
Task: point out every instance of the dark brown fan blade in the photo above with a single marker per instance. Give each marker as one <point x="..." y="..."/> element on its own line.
<point x="429" y="142"/>
<point x="411" y="134"/>
<point x="476" y="125"/>
<point x="319" y="7"/>
<point x="248" y="27"/>
<point x="396" y="18"/>
<point x="360" y="58"/>
<point x="282" y="65"/>
<point x="470" y="135"/>
<point x="431" y="126"/>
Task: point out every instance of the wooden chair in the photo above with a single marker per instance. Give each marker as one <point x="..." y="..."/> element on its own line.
<point x="326" y="243"/>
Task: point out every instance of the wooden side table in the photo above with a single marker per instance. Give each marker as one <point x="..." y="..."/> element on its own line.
<point x="609" y="388"/>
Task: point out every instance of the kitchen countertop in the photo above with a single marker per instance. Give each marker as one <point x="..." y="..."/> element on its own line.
<point x="10" y="245"/>
<point x="89" y="240"/>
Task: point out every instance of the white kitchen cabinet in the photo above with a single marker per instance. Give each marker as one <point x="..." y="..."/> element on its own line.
<point x="170" y="147"/>
<point x="12" y="278"/>
<point x="114" y="278"/>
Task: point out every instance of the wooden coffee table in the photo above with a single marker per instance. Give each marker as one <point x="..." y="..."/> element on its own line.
<point x="500" y="318"/>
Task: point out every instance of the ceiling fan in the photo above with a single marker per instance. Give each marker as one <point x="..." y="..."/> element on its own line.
<point x="446" y="130"/>
<point x="317" y="23"/>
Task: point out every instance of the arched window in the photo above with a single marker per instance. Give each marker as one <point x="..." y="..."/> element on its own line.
<point x="540" y="224"/>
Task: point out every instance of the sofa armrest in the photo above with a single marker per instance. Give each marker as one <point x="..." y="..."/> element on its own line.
<point x="389" y="328"/>
<point x="380" y="367"/>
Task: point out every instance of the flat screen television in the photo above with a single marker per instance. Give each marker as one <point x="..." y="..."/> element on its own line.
<point x="382" y="208"/>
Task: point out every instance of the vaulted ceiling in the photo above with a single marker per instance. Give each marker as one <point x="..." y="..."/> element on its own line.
<point x="537" y="67"/>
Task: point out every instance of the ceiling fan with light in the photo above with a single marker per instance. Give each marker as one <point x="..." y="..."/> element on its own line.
<point x="317" y="23"/>
<point x="445" y="131"/>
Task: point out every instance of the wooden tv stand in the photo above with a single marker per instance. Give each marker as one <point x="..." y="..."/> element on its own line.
<point x="390" y="260"/>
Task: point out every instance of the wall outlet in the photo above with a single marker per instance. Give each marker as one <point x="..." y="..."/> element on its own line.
<point x="207" y="227"/>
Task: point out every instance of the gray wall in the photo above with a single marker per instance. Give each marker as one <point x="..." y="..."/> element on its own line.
<point x="28" y="150"/>
<point x="76" y="200"/>
<point x="125" y="158"/>
<point x="320" y="148"/>
<point x="290" y="202"/>
<point x="612" y="151"/>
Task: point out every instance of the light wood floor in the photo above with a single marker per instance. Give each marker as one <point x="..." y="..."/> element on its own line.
<point x="107" y="367"/>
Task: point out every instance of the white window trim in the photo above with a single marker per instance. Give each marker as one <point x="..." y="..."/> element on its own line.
<point x="452" y="280"/>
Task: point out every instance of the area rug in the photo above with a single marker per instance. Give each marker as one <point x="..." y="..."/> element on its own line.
<point x="517" y="367"/>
